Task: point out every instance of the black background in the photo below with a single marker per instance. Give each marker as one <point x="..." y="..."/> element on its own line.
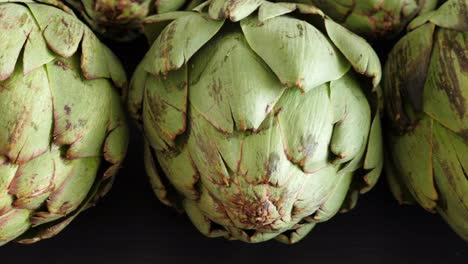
<point x="130" y="226"/>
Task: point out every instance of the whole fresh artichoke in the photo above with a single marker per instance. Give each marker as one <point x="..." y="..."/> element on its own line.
<point x="426" y="88"/>
<point x="63" y="131"/>
<point x="121" y="19"/>
<point x="258" y="115"/>
<point x="373" y="18"/>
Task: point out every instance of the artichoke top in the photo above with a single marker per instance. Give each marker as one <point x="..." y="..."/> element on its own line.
<point x="374" y="19"/>
<point x="256" y="117"/>
<point x="64" y="131"/>
<point x="121" y="19"/>
<point x="426" y="90"/>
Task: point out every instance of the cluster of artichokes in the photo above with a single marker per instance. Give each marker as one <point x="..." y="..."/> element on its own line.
<point x="260" y="118"/>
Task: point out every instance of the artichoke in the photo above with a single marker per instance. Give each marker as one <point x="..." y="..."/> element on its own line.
<point x="261" y="119"/>
<point x="425" y="86"/>
<point x="63" y="130"/>
<point x="373" y="19"/>
<point x="121" y="19"/>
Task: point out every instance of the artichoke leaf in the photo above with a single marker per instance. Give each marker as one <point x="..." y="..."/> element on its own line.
<point x="361" y="55"/>
<point x="298" y="234"/>
<point x="80" y="177"/>
<point x="16" y="24"/>
<point x="338" y="9"/>
<point x="156" y="138"/>
<point x="13" y="224"/>
<point x="450" y="178"/>
<point x="154" y="176"/>
<point x="164" y="6"/>
<point x="449" y="153"/>
<point x="446" y="90"/>
<point x="75" y="106"/>
<point x="452" y="15"/>
<point x="235" y="10"/>
<point x="155" y="24"/>
<point x="98" y="61"/>
<point x="335" y="199"/>
<point x="116" y="143"/>
<point x="298" y="53"/>
<point x="203" y="148"/>
<point x="241" y="91"/>
<point x="306" y="145"/>
<point x="213" y="208"/>
<point x="179" y="41"/>
<point x="348" y="143"/>
<point x="200" y="221"/>
<point x="7" y="173"/>
<point x="270" y="10"/>
<point x="373" y="161"/>
<point x="36" y="53"/>
<point x="408" y="65"/>
<point x="264" y="160"/>
<point x="62" y="32"/>
<point x="183" y="178"/>
<point x="33" y="182"/>
<point x="30" y="123"/>
<point x="418" y="144"/>
<point x="396" y="183"/>
<point x="54" y="223"/>
<point x="165" y="104"/>
<point x="136" y="93"/>
<point x="313" y="190"/>
<point x="258" y="236"/>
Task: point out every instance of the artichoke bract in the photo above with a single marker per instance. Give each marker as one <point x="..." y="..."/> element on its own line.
<point x="63" y="130"/>
<point x="261" y="119"/>
<point x="426" y="90"/>
<point x="121" y="19"/>
<point x="374" y="19"/>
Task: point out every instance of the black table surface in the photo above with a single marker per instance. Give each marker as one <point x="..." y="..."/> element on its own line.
<point x="131" y="226"/>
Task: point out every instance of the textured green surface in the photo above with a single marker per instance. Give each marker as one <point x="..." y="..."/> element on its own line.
<point x="262" y="123"/>
<point x="61" y="118"/>
<point x="426" y="88"/>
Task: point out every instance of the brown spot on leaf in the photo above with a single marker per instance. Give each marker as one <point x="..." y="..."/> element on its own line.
<point x="448" y="79"/>
<point x="20" y="124"/>
<point x="308" y="145"/>
<point x="68" y="124"/>
<point x="82" y="122"/>
<point x="62" y="65"/>
<point x="23" y="19"/>
<point x="215" y="91"/>
<point x="64" y="22"/>
<point x="277" y="112"/>
<point x="67" y="109"/>
<point x="158" y="108"/>
<point x="3" y="87"/>
<point x="166" y="47"/>
<point x="271" y="165"/>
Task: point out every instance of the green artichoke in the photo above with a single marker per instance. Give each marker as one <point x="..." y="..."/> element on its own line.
<point x="63" y="130"/>
<point x="257" y="118"/>
<point x="373" y="18"/>
<point x="121" y="19"/>
<point x="426" y="90"/>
